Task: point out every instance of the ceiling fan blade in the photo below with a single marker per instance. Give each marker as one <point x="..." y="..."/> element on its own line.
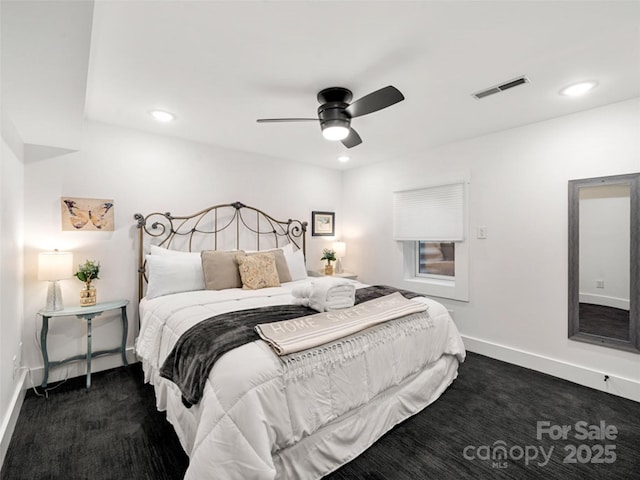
<point x="281" y="120"/>
<point x="352" y="140"/>
<point x="383" y="98"/>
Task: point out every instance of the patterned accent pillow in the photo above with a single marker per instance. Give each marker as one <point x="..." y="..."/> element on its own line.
<point x="281" y="263"/>
<point x="258" y="271"/>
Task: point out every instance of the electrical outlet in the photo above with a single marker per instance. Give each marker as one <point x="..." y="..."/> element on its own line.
<point x="599" y="283"/>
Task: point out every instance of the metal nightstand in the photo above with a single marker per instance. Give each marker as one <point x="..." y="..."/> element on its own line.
<point x="88" y="314"/>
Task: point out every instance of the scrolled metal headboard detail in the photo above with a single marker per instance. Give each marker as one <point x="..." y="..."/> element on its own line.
<point x="209" y="224"/>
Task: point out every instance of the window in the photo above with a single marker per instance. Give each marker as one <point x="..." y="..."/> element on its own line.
<point x="436" y="260"/>
<point x="431" y="223"/>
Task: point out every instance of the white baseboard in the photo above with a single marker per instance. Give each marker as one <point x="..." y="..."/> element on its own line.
<point x="11" y="417"/>
<point x="620" y="386"/>
<point x="621" y="303"/>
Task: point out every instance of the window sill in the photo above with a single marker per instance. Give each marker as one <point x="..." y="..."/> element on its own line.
<point x="436" y="288"/>
<point x="441" y="282"/>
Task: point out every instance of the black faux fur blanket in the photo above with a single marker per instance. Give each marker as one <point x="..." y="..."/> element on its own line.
<point x="196" y="351"/>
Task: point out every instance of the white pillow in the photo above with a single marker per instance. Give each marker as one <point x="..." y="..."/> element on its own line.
<point x="156" y="250"/>
<point x="295" y="262"/>
<point x="174" y="274"/>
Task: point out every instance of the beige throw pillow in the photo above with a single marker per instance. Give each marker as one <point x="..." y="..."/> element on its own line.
<point x="258" y="270"/>
<point x="281" y="263"/>
<point x="220" y="269"/>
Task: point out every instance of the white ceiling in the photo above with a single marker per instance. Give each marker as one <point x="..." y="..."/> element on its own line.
<point x="221" y="65"/>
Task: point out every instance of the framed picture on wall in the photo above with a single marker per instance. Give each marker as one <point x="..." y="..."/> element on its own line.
<point x="86" y="214"/>
<point x="323" y="224"/>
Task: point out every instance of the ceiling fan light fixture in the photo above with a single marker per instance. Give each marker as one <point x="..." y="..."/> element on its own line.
<point x="335" y="130"/>
<point x="335" y="133"/>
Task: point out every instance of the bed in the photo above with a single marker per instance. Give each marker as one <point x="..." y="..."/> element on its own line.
<point x="260" y="415"/>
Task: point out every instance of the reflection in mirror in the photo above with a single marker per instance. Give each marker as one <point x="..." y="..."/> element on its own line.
<point x="603" y="288"/>
<point x="603" y="261"/>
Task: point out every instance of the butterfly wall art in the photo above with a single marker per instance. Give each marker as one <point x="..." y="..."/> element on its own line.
<point x="85" y="214"/>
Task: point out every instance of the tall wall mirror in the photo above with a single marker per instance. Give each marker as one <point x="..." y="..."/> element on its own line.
<point x="604" y="258"/>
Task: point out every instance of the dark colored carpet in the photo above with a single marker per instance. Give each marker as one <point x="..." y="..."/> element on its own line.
<point x="606" y="321"/>
<point x="113" y="432"/>
<point x="109" y="432"/>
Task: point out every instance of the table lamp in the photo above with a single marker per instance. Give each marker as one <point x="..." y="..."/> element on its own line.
<point x="340" y="248"/>
<point x="54" y="266"/>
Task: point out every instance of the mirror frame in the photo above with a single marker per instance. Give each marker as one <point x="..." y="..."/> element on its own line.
<point x="633" y="344"/>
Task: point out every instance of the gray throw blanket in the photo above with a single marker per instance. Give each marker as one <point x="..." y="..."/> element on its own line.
<point x="196" y="351"/>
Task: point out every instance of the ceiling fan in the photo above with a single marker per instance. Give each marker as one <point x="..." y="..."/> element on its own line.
<point x="335" y="112"/>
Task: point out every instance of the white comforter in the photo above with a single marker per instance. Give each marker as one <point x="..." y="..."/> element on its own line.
<point x="257" y="420"/>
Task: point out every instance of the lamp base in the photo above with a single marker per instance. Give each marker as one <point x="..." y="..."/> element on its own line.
<point x="54" y="297"/>
<point x="339" y="266"/>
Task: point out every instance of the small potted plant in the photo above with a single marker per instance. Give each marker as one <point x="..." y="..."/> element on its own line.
<point x="330" y="256"/>
<point x="87" y="273"/>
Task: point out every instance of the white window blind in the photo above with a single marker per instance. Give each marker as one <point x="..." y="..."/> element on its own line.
<point x="433" y="213"/>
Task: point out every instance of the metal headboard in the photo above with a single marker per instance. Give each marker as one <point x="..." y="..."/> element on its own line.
<point x="169" y="230"/>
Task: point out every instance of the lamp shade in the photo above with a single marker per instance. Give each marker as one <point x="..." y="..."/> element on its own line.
<point x="340" y="248"/>
<point x="55" y="265"/>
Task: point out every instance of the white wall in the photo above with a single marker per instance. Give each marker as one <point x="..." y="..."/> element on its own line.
<point x="518" y="275"/>
<point x="11" y="289"/>
<point x="145" y="173"/>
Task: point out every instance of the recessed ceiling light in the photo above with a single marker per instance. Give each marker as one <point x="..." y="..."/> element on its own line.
<point x="162" y="116"/>
<point x="578" y="89"/>
<point x="344" y="158"/>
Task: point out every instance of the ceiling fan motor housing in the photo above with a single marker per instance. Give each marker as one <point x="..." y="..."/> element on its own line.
<point x="333" y="102"/>
<point x="333" y="115"/>
<point x="335" y="94"/>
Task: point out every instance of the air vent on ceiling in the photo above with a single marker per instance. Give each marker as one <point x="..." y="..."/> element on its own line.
<point x="501" y="88"/>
